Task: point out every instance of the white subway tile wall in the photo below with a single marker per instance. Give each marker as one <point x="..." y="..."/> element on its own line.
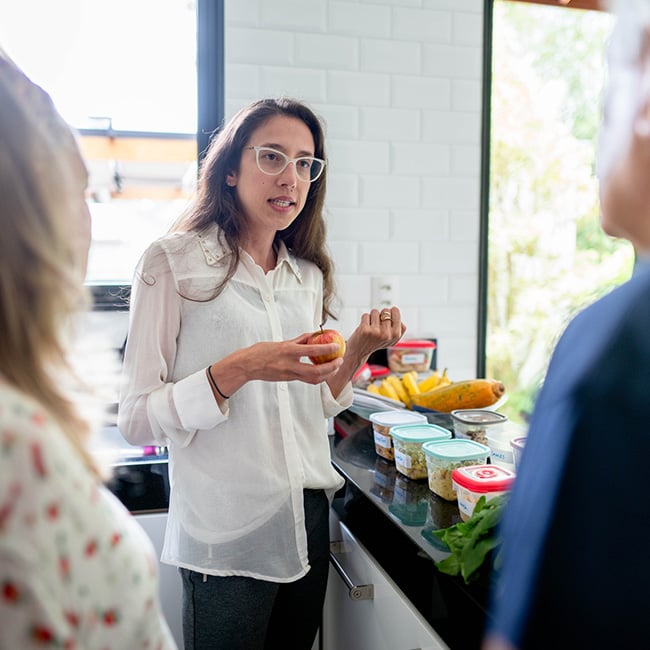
<point x="399" y="84"/>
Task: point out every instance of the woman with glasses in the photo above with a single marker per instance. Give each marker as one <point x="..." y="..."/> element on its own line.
<point x="216" y="368"/>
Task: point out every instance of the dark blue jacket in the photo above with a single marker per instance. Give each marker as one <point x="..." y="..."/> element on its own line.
<point x="576" y="552"/>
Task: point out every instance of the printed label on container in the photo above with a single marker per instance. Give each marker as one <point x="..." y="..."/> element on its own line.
<point x="465" y="504"/>
<point x="383" y="441"/>
<point x="403" y="459"/>
<point x="413" y="358"/>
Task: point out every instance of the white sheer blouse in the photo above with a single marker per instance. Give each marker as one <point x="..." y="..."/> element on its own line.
<point x="236" y="476"/>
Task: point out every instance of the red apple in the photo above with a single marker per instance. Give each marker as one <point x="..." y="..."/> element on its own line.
<point x="327" y="336"/>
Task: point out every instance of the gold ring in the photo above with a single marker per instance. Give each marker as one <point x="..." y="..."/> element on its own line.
<point x="385" y="315"/>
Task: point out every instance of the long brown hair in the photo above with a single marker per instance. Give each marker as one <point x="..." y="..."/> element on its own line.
<point x="217" y="203"/>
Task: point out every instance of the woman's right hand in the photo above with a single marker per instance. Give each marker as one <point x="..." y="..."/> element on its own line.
<point x="274" y="361"/>
<point x="286" y="360"/>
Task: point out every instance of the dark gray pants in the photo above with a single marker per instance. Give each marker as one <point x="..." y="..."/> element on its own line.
<point x="241" y="613"/>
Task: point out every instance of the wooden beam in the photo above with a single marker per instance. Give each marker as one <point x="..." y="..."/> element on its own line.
<point x="98" y="147"/>
<point x="592" y="5"/>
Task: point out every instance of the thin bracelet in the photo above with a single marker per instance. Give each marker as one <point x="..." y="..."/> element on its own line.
<point x="214" y="383"/>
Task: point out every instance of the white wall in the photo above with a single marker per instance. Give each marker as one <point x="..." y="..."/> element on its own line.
<point x="399" y="85"/>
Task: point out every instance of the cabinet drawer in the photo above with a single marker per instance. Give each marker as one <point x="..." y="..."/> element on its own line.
<point x="383" y="619"/>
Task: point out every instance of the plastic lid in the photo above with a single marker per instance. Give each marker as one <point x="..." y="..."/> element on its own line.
<point x="391" y="418"/>
<point x="478" y="416"/>
<point x="415" y="343"/>
<point x="456" y="449"/>
<point x="519" y="442"/>
<point x="483" y="478"/>
<point x="420" y="432"/>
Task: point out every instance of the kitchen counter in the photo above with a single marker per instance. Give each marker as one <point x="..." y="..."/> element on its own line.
<point x="393" y="517"/>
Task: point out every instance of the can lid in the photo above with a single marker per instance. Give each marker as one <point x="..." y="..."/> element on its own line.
<point x="419" y="432"/>
<point x="415" y="343"/>
<point x="393" y="417"/>
<point x="478" y="416"/>
<point x="483" y="478"/>
<point x="456" y="449"/>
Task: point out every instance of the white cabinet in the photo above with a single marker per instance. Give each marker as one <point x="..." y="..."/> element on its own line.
<point x="170" y="579"/>
<point x="386" y="621"/>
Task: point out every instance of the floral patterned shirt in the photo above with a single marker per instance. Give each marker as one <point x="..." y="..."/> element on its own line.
<point x="76" y="570"/>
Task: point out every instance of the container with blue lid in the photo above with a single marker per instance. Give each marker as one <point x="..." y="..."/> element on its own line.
<point x="443" y="456"/>
<point x="408" y="441"/>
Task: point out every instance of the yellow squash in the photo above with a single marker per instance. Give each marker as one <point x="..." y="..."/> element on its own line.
<point x="466" y="394"/>
<point x="396" y="383"/>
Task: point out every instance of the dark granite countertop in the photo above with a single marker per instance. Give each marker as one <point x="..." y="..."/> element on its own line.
<point x="393" y="517"/>
<point x="409" y="504"/>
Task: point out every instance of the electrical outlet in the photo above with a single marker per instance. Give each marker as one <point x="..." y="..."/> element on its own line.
<point x="384" y="291"/>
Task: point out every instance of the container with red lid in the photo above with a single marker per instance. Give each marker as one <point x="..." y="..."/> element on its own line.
<point x="474" y="481"/>
<point x="415" y="354"/>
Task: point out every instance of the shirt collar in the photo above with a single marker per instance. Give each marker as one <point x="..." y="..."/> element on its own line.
<point x="215" y="251"/>
<point x="285" y="257"/>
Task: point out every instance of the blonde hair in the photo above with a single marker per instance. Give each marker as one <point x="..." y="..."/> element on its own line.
<point x="41" y="268"/>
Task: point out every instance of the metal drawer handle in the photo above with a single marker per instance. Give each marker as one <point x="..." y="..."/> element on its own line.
<point x="356" y="592"/>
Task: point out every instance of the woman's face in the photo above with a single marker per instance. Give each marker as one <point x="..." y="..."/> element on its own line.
<point x="272" y="203"/>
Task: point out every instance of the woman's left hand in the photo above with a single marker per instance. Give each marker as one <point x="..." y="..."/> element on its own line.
<point x="377" y="330"/>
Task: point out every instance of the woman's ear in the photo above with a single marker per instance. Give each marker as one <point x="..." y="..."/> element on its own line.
<point x="231" y="179"/>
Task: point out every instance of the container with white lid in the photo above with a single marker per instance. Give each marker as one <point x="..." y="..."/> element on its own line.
<point x="408" y="441"/>
<point x="474" y="481"/>
<point x="384" y="421"/>
<point x="444" y="456"/>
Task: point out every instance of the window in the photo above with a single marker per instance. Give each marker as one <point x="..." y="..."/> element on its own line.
<point x="126" y="75"/>
<point x="546" y="255"/>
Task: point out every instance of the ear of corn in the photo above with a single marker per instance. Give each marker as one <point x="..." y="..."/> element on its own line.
<point x="409" y="381"/>
<point x="396" y="383"/>
<point x="430" y="382"/>
<point x="387" y="390"/>
<point x="434" y="380"/>
<point x="373" y="388"/>
<point x="466" y="394"/>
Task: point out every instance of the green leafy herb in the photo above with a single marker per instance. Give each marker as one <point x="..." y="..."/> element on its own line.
<point x="471" y="541"/>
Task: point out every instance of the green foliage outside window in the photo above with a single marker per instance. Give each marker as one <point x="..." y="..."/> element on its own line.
<point x="548" y="257"/>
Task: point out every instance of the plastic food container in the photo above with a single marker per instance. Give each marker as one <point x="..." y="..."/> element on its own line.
<point x="411" y="355"/>
<point x="500" y="450"/>
<point x="444" y="456"/>
<point x="474" y="424"/>
<point x="384" y="421"/>
<point x="408" y="441"/>
<point x="517" y="444"/>
<point x="474" y="481"/>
